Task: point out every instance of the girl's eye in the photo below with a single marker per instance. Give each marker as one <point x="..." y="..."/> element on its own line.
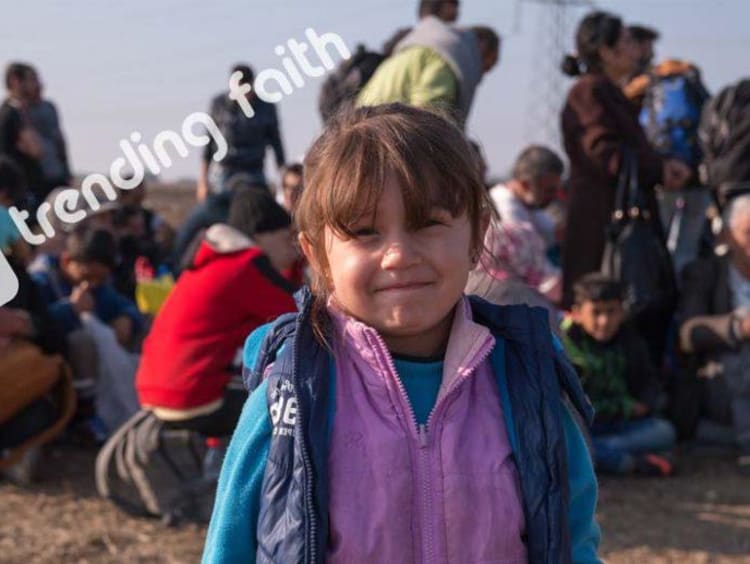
<point x="437" y="219"/>
<point x="361" y="232"/>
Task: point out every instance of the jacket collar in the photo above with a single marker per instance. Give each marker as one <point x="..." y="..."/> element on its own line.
<point x="224" y="239"/>
<point x="469" y="342"/>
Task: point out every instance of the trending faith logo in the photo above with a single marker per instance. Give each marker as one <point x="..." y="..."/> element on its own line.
<point x="8" y="281"/>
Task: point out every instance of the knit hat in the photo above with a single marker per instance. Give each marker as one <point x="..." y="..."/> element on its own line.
<point x="254" y="210"/>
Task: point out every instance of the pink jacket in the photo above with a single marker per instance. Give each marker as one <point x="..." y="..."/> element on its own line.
<point x="443" y="492"/>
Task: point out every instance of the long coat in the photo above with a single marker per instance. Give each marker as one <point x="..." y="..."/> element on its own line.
<point x="597" y="122"/>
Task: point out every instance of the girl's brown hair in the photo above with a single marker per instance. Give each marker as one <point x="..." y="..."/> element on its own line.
<point x="346" y="169"/>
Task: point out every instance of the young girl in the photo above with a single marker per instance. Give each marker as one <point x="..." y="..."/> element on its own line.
<point x="397" y="420"/>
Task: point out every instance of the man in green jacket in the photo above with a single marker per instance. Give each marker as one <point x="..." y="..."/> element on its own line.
<point x="436" y="65"/>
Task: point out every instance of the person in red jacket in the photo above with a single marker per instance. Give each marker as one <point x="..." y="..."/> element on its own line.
<point x="231" y="286"/>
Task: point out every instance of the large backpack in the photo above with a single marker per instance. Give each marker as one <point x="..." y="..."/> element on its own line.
<point x="725" y="141"/>
<point x="149" y="470"/>
<point x="672" y="110"/>
<point x="340" y="89"/>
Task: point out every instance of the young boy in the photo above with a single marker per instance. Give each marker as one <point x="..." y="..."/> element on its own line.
<point x="80" y="296"/>
<point x="614" y="366"/>
<point x="79" y="282"/>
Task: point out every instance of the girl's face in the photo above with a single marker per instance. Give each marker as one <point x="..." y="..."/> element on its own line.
<point x="403" y="282"/>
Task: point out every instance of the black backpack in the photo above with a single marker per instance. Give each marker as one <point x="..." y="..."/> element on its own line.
<point x="724" y="136"/>
<point x="341" y="87"/>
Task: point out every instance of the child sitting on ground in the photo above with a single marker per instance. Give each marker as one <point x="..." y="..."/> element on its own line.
<point x="613" y="363"/>
<point x="101" y="326"/>
<point x="80" y="281"/>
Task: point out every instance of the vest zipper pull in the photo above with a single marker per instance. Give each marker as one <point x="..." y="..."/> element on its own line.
<point x="423" y="436"/>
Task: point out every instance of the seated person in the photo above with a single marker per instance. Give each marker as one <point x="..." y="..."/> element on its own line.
<point x="527" y="197"/>
<point x="133" y="247"/>
<point x="205" y="214"/>
<point x="79" y="295"/>
<point x="231" y="286"/>
<point x="291" y="186"/>
<point x="79" y="282"/>
<point x="513" y="269"/>
<point x="155" y="232"/>
<point x="25" y="318"/>
<point x="615" y="369"/>
<point x="11" y="192"/>
<point x="714" y="316"/>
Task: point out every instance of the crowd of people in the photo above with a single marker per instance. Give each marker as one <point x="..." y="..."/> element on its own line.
<point x="370" y="257"/>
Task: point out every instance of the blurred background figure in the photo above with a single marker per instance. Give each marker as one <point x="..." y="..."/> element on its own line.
<point x="247" y="139"/>
<point x="671" y="97"/>
<point x="18" y="141"/>
<point x="644" y="38"/>
<point x="291" y="186"/>
<point x="436" y="66"/>
<point x="45" y="121"/>
<point x="233" y="283"/>
<point x="599" y="125"/>
<point x="714" y="317"/>
<point x="445" y="10"/>
<point x="535" y="182"/>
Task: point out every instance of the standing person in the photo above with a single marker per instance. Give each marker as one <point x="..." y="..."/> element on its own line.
<point x="18" y="141"/>
<point x="671" y="96"/>
<point x="45" y="120"/>
<point x="644" y="38"/>
<point x="436" y="66"/>
<point x="445" y="10"/>
<point x="247" y="139"/>
<point x="598" y="122"/>
<point x="389" y="376"/>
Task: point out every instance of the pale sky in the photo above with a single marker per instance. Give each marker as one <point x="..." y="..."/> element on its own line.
<point x="114" y="67"/>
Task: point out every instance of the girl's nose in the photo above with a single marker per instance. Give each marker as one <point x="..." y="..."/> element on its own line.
<point x="399" y="254"/>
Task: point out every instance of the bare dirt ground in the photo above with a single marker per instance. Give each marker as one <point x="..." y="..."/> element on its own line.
<point x="701" y="516"/>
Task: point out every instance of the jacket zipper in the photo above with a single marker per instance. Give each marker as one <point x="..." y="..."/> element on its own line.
<point x="312" y="526"/>
<point x="423" y="437"/>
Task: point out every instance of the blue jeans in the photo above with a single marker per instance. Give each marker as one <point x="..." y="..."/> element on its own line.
<point x="617" y="444"/>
